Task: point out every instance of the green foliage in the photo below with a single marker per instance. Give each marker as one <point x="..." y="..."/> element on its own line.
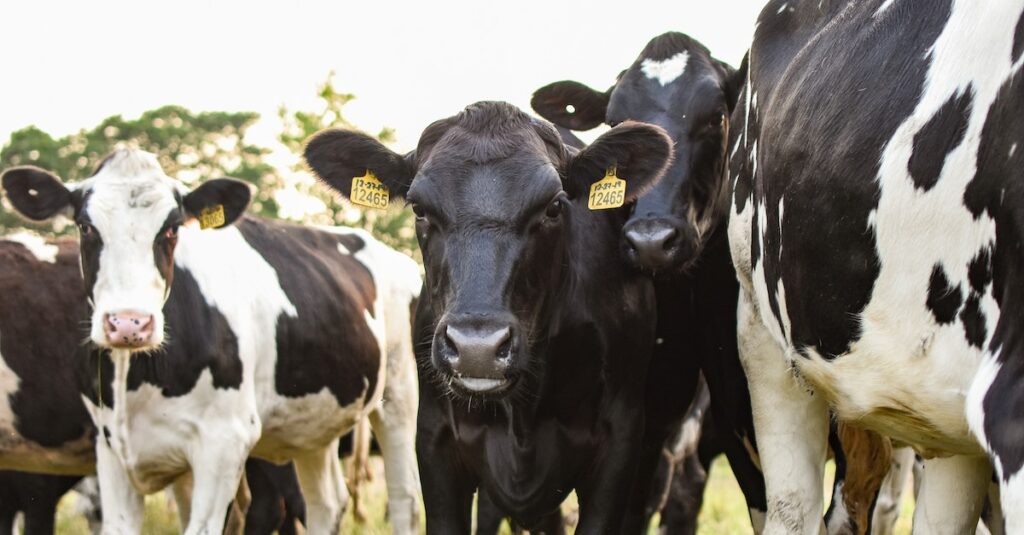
<point x="197" y="146"/>
<point x="190" y="146"/>
<point x="393" y="226"/>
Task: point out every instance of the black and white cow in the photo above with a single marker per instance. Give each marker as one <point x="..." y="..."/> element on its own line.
<point x="261" y="336"/>
<point x="533" y="337"/>
<point x="876" y="230"/>
<point x="677" y="231"/>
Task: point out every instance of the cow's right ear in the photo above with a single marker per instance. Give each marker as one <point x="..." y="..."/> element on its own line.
<point x="552" y="102"/>
<point x="35" y="193"/>
<point x="337" y="156"/>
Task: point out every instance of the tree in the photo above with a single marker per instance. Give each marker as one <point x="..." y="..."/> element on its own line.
<point x="394" y="225"/>
<point x="197" y="146"/>
<point x="190" y="146"/>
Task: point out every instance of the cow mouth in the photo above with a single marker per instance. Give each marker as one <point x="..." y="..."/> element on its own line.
<point x="481" y="385"/>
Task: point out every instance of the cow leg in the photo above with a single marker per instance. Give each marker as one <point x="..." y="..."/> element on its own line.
<point x="39" y="518"/>
<point x="239" y="507"/>
<point x="447" y="486"/>
<point x="182" y="490"/>
<point x="394" y="425"/>
<point x="604" y="500"/>
<point x="686" y="495"/>
<point x="952" y="494"/>
<point x="792" y="429"/>
<point x="267" y="507"/>
<point x="323" y="486"/>
<point x="488" y="515"/>
<point x="7" y="514"/>
<point x="217" y="470"/>
<point x="552" y="524"/>
<point x="887" y="509"/>
<point x="122" y="504"/>
<point x="992" y="514"/>
<point x="357" y="469"/>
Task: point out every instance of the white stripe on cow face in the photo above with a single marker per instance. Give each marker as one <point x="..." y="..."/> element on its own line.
<point x="665" y="71"/>
<point x="127" y="204"/>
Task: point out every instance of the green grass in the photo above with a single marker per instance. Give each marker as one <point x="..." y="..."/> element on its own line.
<point x="724" y="511"/>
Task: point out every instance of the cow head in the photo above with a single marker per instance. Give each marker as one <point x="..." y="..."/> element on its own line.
<point x="677" y="85"/>
<point x="497" y="197"/>
<point x="128" y="215"/>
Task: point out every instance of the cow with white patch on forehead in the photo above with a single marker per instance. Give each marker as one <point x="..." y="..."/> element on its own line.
<point x="676" y="232"/>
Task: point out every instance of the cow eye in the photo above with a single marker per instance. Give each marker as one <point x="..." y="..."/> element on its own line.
<point x="421" y="215"/>
<point x="554" y="209"/>
<point x="86" y="230"/>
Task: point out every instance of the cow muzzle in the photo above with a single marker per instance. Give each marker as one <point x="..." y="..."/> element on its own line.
<point x="476" y="354"/>
<point x="128" y="330"/>
<point x="658" y="244"/>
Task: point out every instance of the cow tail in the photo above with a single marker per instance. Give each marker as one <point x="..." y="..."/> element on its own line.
<point x="868" y="458"/>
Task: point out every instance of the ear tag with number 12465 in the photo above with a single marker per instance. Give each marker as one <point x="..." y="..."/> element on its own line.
<point x="368" y="191"/>
<point x="211" y="217"/>
<point x="609" y="192"/>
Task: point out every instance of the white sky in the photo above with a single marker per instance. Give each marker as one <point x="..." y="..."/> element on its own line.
<point x="67" y="65"/>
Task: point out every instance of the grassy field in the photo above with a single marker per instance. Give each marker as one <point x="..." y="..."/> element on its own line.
<point x="724" y="511"/>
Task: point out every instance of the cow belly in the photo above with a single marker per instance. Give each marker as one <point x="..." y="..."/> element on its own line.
<point x="300" y="424"/>
<point x="76" y="457"/>
<point x="917" y="397"/>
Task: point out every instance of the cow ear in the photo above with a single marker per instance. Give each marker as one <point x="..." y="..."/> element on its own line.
<point x="35" y="193"/>
<point x="589" y="106"/>
<point x="639" y="152"/>
<point x="734" y="81"/>
<point x="218" y="203"/>
<point x="337" y="156"/>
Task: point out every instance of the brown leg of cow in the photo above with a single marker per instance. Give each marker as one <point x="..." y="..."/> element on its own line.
<point x="357" y="468"/>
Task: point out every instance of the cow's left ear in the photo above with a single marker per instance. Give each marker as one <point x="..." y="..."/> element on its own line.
<point x="218" y="203"/>
<point x="338" y="156"/>
<point x="589" y="106"/>
<point x="639" y="152"/>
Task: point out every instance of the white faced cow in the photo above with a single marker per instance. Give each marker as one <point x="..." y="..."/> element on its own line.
<point x="877" y="164"/>
<point x="261" y="336"/>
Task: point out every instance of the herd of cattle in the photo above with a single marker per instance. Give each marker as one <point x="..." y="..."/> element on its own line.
<point x="814" y="254"/>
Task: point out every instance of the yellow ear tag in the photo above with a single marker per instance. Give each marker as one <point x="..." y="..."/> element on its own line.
<point x="370" y="192"/>
<point x="211" y="217"/>
<point x="609" y="192"/>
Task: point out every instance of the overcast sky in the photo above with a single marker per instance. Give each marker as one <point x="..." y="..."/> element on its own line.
<point x="68" y="65"/>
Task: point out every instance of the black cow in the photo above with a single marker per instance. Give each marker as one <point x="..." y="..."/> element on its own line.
<point x="262" y="336"/>
<point x="677" y="232"/>
<point x="877" y="212"/>
<point x="533" y="337"/>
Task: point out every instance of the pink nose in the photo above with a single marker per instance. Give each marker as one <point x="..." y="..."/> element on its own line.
<point x="128" y="329"/>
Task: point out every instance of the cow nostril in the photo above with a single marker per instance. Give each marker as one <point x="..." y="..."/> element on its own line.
<point x="669" y="240"/>
<point x="451" y="345"/>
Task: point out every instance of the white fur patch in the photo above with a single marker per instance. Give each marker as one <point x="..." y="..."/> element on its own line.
<point x="882" y="8"/>
<point x="36" y="244"/>
<point x="666" y="71"/>
<point x="9" y="383"/>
